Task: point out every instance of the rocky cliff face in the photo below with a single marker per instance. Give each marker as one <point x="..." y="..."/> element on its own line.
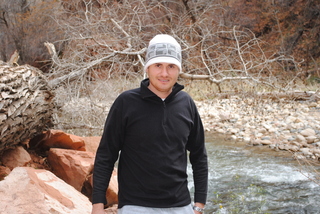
<point x="292" y="27"/>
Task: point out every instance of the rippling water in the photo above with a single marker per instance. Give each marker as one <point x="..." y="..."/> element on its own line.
<point x="245" y="179"/>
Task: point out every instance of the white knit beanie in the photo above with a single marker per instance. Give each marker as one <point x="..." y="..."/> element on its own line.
<point x="163" y="48"/>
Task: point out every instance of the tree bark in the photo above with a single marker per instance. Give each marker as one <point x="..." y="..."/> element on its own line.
<point x="26" y="104"/>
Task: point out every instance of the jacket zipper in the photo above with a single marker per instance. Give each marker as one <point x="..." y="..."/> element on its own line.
<point x="164" y="113"/>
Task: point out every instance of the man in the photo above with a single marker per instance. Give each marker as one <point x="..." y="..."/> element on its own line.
<point x="153" y="127"/>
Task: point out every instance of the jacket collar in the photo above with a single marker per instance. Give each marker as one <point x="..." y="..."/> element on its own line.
<point x="145" y="92"/>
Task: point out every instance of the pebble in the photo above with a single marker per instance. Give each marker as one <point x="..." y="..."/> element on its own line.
<point x="292" y="126"/>
<point x="308" y="132"/>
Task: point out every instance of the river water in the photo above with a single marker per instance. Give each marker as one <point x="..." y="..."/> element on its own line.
<point x="247" y="179"/>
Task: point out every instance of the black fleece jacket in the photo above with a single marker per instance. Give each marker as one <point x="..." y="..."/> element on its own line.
<point x="152" y="137"/>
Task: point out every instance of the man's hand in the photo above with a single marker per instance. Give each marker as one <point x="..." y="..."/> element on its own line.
<point x="98" y="208"/>
<point x="200" y="205"/>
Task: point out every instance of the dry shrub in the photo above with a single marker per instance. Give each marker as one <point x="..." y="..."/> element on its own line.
<point x="82" y="110"/>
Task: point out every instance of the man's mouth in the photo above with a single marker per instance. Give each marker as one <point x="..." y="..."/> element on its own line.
<point x="164" y="80"/>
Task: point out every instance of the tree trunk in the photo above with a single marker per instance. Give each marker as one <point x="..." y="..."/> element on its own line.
<point x="26" y="104"/>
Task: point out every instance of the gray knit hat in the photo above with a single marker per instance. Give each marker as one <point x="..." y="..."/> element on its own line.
<point x="163" y="48"/>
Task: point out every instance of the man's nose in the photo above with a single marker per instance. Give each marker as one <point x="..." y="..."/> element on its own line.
<point x="164" y="71"/>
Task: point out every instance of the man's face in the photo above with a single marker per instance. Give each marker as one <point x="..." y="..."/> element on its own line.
<point x="162" y="77"/>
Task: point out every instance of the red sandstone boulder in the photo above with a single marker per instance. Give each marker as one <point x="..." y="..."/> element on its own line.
<point x="71" y="166"/>
<point x="92" y="143"/>
<point x="60" y="139"/>
<point x="4" y="171"/>
<point x="28" y="190"/>
<point x="75" y="168"/>
<point x="112" y="191"/>
<point x="15" y="157"/>
<point x="57" y="139"/>
<point x="71" y="163"/>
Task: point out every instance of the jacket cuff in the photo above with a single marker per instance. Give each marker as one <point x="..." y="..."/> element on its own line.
<point x="200" y="197"/>
<point x="99" y="198"/>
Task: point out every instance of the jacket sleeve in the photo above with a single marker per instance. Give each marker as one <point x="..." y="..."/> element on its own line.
<point x="107" y="152"/>
<point x="198" y="159"/>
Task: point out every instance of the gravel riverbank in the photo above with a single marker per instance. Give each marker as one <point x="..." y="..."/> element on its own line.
<point x="282" y="125"/>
